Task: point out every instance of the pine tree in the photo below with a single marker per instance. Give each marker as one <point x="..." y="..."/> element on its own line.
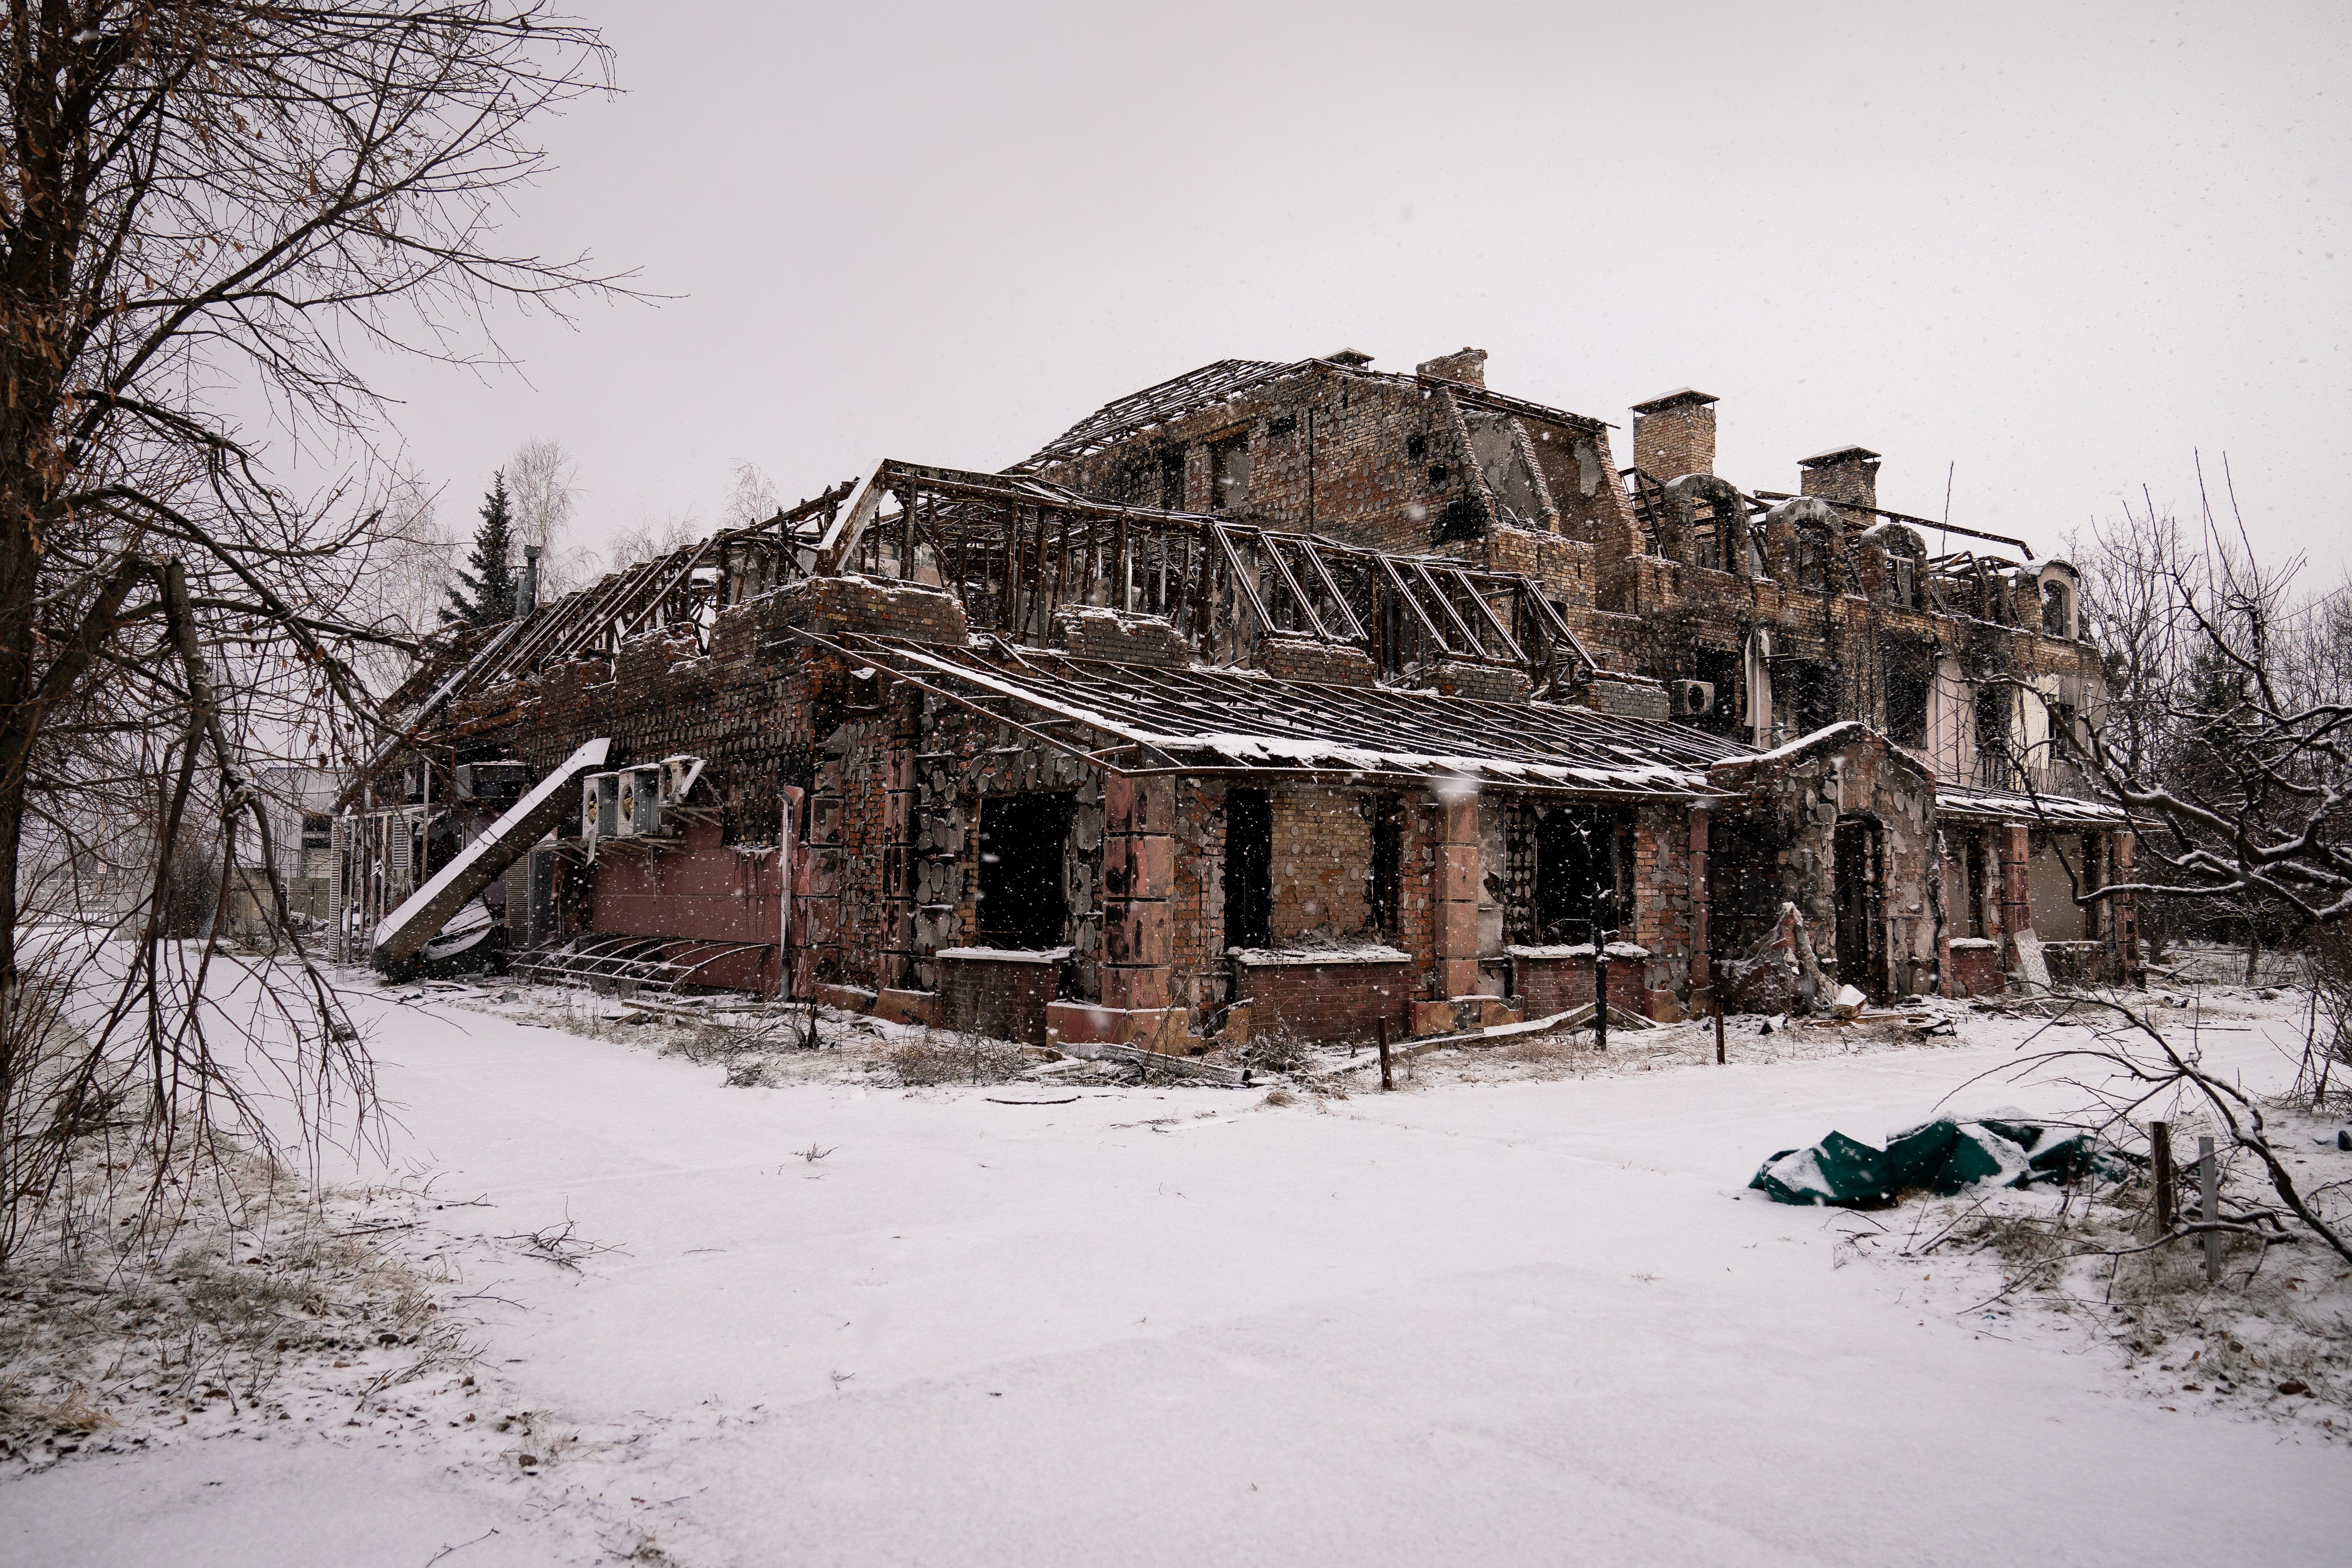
<point x="488" y="595"/>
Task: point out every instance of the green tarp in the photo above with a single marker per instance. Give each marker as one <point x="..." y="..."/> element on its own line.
<point x="1945" y="1156"/>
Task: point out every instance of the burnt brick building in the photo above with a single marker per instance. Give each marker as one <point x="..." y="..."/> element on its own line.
<point x="1280" y="695"/>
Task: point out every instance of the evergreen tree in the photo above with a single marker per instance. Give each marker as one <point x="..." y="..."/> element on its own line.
<point x="488" y="593"/>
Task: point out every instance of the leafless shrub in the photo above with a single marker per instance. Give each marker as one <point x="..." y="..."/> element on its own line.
<point x="940" y="1059"/>
<point x="561" y="1245"/>
<point x="1276" y="1051"/>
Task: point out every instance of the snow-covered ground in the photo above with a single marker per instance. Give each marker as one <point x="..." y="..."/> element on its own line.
<point x="1500" y="1316"/>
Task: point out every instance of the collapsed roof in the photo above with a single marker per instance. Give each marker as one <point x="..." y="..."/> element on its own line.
<point x="1203" y="720"/>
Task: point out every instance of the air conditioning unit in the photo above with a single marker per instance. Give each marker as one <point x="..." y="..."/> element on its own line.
<point x="493" y="784"/>
<point x="1692" y="698"/>
<point x="637" y="809"/>
<point x="600" y="805"/>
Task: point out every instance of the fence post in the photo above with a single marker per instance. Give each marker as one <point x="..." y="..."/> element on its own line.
<point x="1717" y="1000"/>
<point x="1601" y="991"/>
<point x="1380" y="1026"/>
<point x="2159" y="1144"/>
<point x="2210" y="1188"/>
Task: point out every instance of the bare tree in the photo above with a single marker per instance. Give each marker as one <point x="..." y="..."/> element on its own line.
<point x="752" y="498"/>
<point x="201" y="204"/>
<point x="543" y="482"/>
<point x="655" y="537"/>
<point x="2225" y="737"/>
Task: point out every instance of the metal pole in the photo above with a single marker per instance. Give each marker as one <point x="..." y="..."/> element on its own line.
<point x="2210" y="1187"/>
<point x="1381" y="1027"/>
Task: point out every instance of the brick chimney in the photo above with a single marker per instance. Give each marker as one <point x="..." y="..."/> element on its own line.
<point x="1843" y="473"/>
<point x="1465" y="365"/>
<point x="1675" y="434"/>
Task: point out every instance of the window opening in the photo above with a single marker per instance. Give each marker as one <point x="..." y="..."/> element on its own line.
<point x="1908" y="678"/>
<point x="318" y="832"/>
<point x="1979" y="901"/>
<point x="1229" y="463"/>
<point x="1992" y="735"/>
<point x="1249" y="868"/>
<point x="1172" y="481"/>
<point x="1580" y="854"/>
<point x="2054" y="609"/>
<point x="1022" y="899"/>
<point x="1720" y="668"/>
<point x="1388" y="863"/>
<point x="1813" y="559"/>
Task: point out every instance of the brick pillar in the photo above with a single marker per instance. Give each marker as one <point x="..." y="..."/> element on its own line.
<point x="1458" y="895"/>
<point x="2123" y="910"/>
<point x="1951" y="866"/>
<point x="1702" y="968"/>
<point x="819" y="915"/>
<point x="895" y="965"/>
<point x="2016" y="907"/>
<point x="1138" y="880"/>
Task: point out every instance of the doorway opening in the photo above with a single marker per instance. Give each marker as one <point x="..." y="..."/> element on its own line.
<point x="1860" y="897"/>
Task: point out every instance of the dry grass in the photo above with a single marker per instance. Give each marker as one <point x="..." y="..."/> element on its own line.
<point x="2274" y="1332"/>
<point x="940" y="1059"/>
<point x="141" y="1304"/>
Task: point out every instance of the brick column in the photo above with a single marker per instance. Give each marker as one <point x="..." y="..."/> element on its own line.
<point x="2123" y="910"/>
<point x="1458" y="895"/>
<point x="1702" y="968"/>
<point x="1951" y="867"/>
<point x="895" y="965"/>
<point x="819" y="915"/>
<point x="2016" y="907"/>
<point x="1138" y="880"/>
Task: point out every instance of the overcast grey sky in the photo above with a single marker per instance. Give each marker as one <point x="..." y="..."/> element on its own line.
<point x="2059" y="246"/>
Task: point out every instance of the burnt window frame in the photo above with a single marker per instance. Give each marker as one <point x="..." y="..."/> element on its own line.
<point x="1221" y="497"/>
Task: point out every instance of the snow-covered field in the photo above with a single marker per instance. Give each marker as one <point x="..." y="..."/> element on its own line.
<point x="1508" y="1314"/>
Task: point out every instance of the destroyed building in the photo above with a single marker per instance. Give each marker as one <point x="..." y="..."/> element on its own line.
<point x="1277" y="696"/>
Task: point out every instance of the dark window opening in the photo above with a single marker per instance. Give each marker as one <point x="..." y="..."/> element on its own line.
<point x="1720" y="668"/>
<point x="1388" y="863"/>
<point x="1416" y="447"/>
<point x="1811" y="689"/>
<point x="1462" y="518"/>
<point x="1712" y="556"/>
<point x="1437" y="473"/>
<point x="1907" y="683"/>
<point x="2054" y="609"/>
<point x="1813" y="559"/>
<point x="1172" y="481"/>
<point x="1249" y="868"/>
<point x="1581" y="870"/>
<point x="1229" y="465"/>
<point x="318" y="832"/>
<point x="1284" y="426"/>
<point x="1992" y="735"/>
<point x="1903" y="582"/>
<point x="1022" y="903"/>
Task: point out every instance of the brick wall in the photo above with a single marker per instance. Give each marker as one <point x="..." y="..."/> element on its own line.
<point x="1545" y="983"/>
<point x="1329" y="1003"/>
<point x="1002" y="998"/>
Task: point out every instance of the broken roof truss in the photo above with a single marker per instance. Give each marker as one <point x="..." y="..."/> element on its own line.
<point x="1021" y="552"/>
